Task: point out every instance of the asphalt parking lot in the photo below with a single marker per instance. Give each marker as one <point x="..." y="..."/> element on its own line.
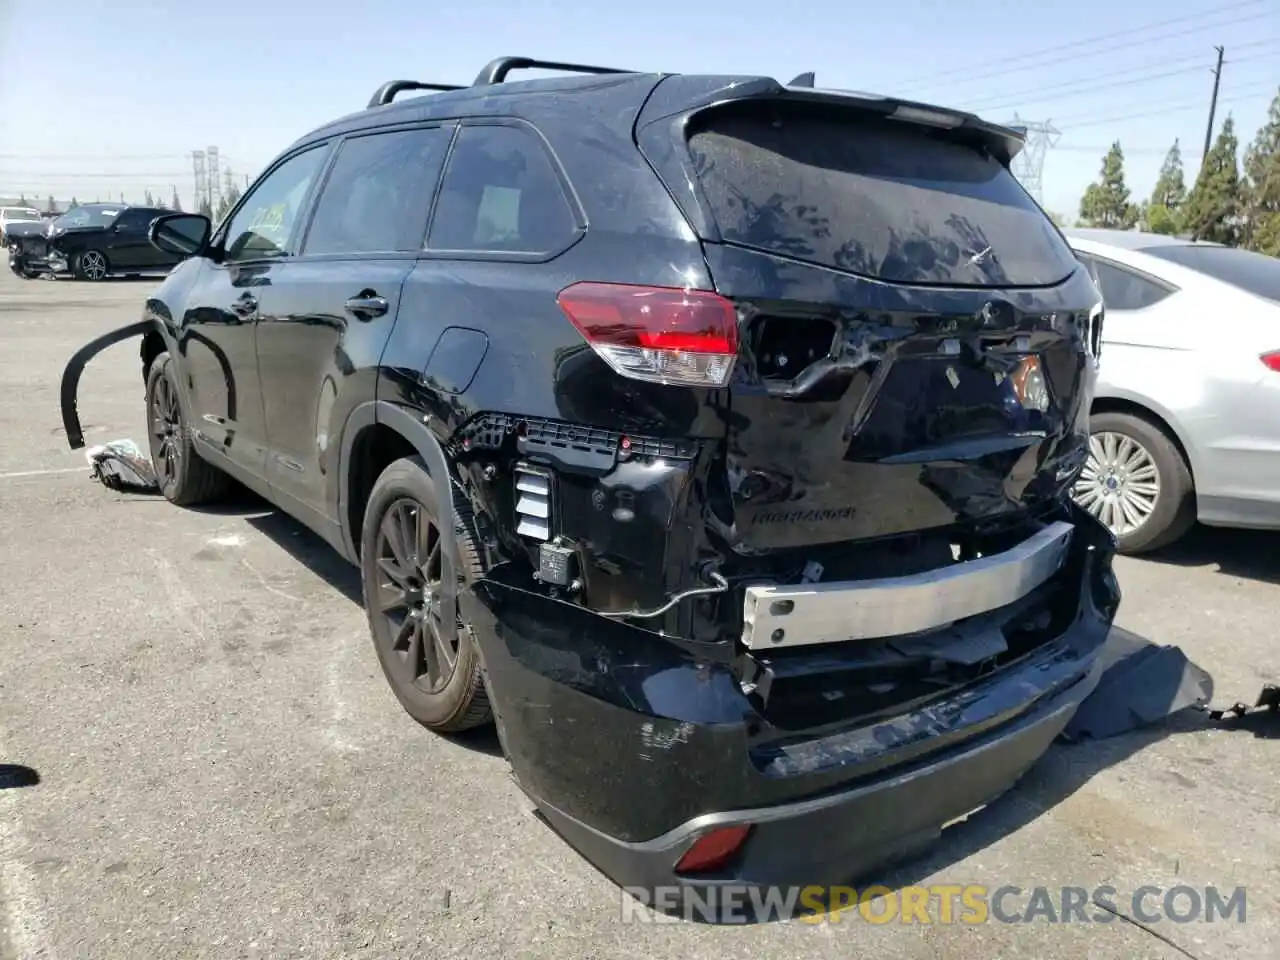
<point x="223" y="771"/>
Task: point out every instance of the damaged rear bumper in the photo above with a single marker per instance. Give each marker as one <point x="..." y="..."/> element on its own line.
<point x="634" y="745"/>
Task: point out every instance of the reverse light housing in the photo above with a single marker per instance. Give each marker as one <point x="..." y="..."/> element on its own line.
<point x="659" y="334"/>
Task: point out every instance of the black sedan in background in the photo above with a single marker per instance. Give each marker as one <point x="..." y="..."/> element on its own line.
<point x="91" y="242"/>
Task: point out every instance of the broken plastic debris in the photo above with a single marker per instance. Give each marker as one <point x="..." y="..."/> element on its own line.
<point x="1141" y="684"/>
<point x="121" y="465"/>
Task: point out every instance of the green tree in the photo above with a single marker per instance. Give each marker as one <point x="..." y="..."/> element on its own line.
<point x="148" y="200"/>
<point x="1162" y="214"/>
<point x="1262" y="186"/>
<point x="1213" y="208"/>
<point x="22" y="201"/>
<point x="51" y="206"/>
<point x="1106" y="203"/>
<point x="176" y="204"/>
<point x="205" y="209"/>
<point x="73" y="204"/>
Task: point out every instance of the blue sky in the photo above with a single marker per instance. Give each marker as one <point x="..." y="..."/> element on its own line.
<point x="102" y="97"/>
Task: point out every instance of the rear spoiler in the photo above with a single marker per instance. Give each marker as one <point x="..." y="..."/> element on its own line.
<point x="697" y="95"/>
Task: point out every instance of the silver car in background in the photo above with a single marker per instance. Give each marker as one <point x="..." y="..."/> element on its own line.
<point x="1186" y="421"/>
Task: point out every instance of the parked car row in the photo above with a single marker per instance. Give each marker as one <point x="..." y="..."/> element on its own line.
<point x="1185" y="420"/>
<point x="91" y="242"/>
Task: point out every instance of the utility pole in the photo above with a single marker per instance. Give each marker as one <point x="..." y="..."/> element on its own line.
<point x="1213" y="104"/>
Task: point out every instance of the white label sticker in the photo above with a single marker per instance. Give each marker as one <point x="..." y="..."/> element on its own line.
<point x="953" y="377"/>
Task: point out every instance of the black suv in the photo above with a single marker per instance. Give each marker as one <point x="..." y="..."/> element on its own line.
<point x="92" y="242"/>
<point x="711" y="434"/>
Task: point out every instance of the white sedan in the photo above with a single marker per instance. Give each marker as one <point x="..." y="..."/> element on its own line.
<point x="1186" y="421"/>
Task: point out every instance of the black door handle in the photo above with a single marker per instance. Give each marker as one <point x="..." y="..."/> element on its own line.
<point x="245" y="305"/>
<point x="367" y="306"/>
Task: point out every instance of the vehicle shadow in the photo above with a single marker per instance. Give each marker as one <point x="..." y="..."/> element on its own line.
<point x="321" y="559"/>
<point x="1252" y="554"/>
<point x="17" y="775"/>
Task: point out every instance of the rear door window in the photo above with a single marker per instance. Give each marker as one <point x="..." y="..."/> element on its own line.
<point x="500" y="194"/>
<point x="881" y="198"/>
<point x="135" y="221"/>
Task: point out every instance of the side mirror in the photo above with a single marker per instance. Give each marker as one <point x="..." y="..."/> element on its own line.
<point x="180" y="234"/>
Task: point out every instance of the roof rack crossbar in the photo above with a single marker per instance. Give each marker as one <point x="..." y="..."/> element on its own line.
<point x="387" y="92"/>
<point x="497" y="70"/>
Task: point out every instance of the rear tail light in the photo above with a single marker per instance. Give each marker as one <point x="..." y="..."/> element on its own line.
<point x="660" y="334"/>
<point x="713" y="850"/>
<point x="1272" y="360"/>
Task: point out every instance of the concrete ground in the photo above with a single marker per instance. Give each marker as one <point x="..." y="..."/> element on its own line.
<point x="223" y="771"/>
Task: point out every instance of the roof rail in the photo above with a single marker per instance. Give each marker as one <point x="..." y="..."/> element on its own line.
<point x="387" y="92"/>
<point x="497" y="70"/>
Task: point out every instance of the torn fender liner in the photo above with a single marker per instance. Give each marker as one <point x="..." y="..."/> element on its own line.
<point x="75" y="366"/>
<point x="122" y="465"/>
<point x="1141" y="683"/>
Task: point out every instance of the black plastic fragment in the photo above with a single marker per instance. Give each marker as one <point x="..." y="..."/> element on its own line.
<point x="1142" y="683"/>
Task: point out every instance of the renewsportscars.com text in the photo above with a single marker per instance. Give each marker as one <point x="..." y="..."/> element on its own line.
<point x="967" y="904"/>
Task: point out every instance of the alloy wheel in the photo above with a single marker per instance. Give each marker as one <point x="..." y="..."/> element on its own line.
<point x="1120" y="483"/>
<point x="411" y="568"/>
<point x="93" y="265"/>
<point x="166" y="431"/>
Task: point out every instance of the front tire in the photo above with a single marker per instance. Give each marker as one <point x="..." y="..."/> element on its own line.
<point x="185" y="479"/>
<point x="1136" y="482"/>
<point x="433" y="668"/>
<point x="91" y="265"/>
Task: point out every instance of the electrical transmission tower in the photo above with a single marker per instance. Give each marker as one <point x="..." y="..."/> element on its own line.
<point x="1028" y="166"/>
<point x="215" y="180"/>
<point x="201" y="178"/>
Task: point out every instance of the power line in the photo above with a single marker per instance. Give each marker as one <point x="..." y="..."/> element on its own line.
<point x="1072" y="88"/>
<point x="1155" y="112"/>
<point x="84" y="175"/>
<point x="1111" y="35"/>
<point x="1099" y="51"/>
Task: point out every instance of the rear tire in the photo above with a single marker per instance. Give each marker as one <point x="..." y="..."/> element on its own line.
<point x="185" y="479"/>
<point x="400" y="564"/>
<point x="1135" y="472"/>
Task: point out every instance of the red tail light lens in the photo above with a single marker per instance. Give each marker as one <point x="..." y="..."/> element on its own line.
<point x="1272" y="360"/>
<point x="713" y="850"/>
<point x="659" y="334"/>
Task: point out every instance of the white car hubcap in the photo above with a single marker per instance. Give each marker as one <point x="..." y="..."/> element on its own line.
<point x="1120" y="484"/>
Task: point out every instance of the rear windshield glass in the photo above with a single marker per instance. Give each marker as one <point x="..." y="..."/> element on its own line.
<point x="881" y="198"/>
<point x="1254" y="272"/>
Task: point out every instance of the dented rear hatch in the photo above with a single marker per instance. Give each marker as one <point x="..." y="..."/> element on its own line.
<point x="915" y="335"/>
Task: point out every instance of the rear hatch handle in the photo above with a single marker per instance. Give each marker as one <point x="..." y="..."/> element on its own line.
<point x="75" y="367"/>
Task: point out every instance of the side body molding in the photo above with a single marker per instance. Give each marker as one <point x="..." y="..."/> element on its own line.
<point x="75" y="367"/>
